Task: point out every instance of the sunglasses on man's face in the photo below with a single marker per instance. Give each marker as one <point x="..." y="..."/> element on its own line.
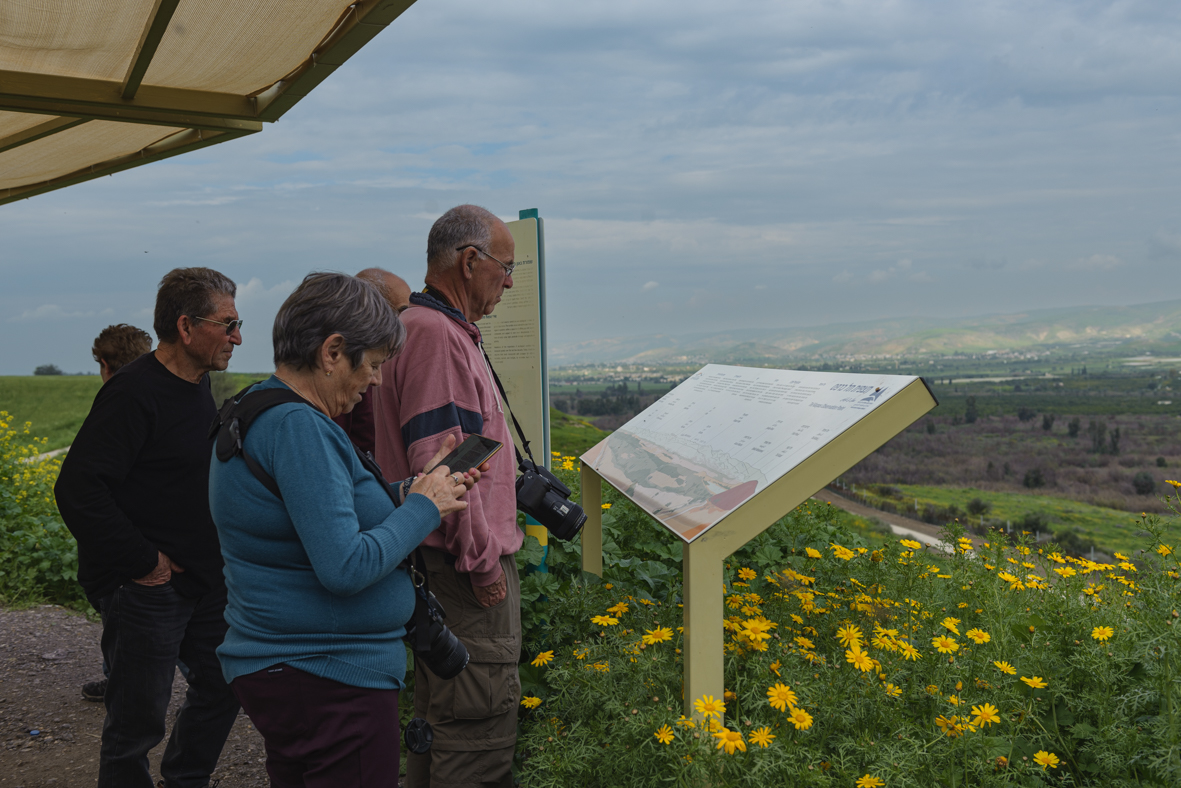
<point x="230" y="326"/>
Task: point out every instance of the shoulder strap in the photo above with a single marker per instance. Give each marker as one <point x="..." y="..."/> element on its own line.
<point x="234" y="419"/>
<point x="513" y="416"/>
<point x="239" y="412"/>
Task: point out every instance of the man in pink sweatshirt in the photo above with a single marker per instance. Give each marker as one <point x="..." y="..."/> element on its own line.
<point x="442" y="385"/>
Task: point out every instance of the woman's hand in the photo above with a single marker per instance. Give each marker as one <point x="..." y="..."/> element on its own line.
<point x="470" y="477"/>
<point x="440" y="486"/>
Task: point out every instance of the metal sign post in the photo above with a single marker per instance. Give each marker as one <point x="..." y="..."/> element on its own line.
<point x="515" y="338"/>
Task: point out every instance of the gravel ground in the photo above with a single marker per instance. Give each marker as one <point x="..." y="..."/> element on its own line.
<point x="46" y="654"/>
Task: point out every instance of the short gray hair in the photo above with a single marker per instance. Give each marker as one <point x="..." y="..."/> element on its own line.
<point x="460" y="226"/>
<point x="187" y="291"/>
<point x="329" y="303"/>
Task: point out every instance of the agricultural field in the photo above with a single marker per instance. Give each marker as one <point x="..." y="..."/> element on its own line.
<point x="1074" y="525"/>
<point x="57" y="405"/>
<point x="1115" y="462"/>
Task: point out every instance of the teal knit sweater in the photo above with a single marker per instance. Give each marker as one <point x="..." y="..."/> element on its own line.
<point x="313" y="579"/>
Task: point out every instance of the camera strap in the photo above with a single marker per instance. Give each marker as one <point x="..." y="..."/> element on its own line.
<point x="513" y="416"/>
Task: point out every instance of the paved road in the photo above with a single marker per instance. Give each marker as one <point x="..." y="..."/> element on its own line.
<point x="900" y="525"/>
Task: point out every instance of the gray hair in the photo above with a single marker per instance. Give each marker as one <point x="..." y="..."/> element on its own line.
<point x="328" y="303"/>
<point x="187" y="291"/>
<point x="460" y="226"/>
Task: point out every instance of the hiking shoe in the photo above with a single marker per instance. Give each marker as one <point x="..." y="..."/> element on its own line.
<point x="94" y="690"/>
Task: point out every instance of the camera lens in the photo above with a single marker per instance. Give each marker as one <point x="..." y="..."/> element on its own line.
<point x="447" y="656"/>
<point x="565" y="518"/>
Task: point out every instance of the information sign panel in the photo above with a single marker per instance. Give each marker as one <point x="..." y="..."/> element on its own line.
<point x="514" y="336"/>
<point x="726" y="434"/>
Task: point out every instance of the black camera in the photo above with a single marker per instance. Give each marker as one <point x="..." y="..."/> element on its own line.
<point x="541" y="496"/>
<point x="432" y="641"/>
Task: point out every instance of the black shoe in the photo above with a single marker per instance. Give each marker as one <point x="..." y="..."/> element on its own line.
<point x="94" y="691"/>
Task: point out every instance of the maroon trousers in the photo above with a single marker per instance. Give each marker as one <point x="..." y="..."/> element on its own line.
<point x="320" y="733"/>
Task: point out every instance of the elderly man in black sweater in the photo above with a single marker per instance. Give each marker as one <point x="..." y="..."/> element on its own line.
<point x="134" y="492"/>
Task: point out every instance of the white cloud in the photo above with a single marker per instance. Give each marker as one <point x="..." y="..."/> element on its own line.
<point x="1098" y="262"/>
<point x="811" y="147"/>
<point x="650" y="286"/>
<point x="50" y="312"/>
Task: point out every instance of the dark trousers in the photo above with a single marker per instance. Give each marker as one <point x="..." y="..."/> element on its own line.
<point x="474" y="715"/>
<point x="145" y="630"/>
<point x="320" y="733"/>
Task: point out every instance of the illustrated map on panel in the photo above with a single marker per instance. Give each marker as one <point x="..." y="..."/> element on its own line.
<point x="726" y="433"/>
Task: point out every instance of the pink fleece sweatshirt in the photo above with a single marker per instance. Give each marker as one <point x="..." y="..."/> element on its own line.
<point x="439" y="385"/>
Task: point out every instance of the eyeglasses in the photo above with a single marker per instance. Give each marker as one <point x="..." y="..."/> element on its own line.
<point x="230" y="326"/>
<point x="508" y="267"/>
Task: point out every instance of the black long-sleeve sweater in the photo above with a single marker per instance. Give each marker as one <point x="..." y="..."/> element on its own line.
<point x="136" y="480"/>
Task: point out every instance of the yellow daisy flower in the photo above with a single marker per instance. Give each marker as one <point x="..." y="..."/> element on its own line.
<point x="1005" y="667"/>
<point x="664" y="734"/>
<point x="730" y="741"/>
<point x="1044" y="759"/>
<point x="944" y="645"/>
<point x="801" y="719"/>
<point x="707" y="706"/>
<point x="1102" y="633"/>
<point x="544" y="658"/>
<point x="761" y="736"/>
<point x="1037" y="682"/>
<point x="781" y="697"/>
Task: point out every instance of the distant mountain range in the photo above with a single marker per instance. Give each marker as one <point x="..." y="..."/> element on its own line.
<point x="1152" y="327"/>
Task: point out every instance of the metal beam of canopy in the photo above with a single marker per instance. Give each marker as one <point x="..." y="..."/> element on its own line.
<point x="92" y="87"/>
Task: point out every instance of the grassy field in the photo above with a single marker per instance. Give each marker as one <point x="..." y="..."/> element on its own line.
<point x="55" y="404"/>
<point x="571" y="435"/>
<point x="1109" y="529"/>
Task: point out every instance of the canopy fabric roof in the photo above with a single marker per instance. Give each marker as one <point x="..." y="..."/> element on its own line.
<point x="91" y="87"/>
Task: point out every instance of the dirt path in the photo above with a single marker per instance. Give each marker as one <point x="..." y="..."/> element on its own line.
<point x="46" y="654"/>
<point x="901" y="526"/>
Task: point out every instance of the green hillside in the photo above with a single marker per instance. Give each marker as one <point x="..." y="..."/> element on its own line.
<point x="55" y="404"/>
<point x="570" y="435"/>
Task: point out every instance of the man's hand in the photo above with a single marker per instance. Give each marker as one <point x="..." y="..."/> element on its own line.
<point x="494" y="594"/>
<point x="162" y="573"/>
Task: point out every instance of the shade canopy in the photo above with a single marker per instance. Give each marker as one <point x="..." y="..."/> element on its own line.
<point x="92" y="87"/>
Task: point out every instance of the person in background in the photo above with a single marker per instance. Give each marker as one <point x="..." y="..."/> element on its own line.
<point x="318" y="595"/>
<point x="119" y="345"/>
<point x="114" y="347"/>
<point x="439" y="389"/>
<point x="134" y="492"/>
<point x="358" y="423"/>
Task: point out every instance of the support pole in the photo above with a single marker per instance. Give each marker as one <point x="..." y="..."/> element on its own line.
<point x="704" y="611"/>
<point x="592" y="531"/>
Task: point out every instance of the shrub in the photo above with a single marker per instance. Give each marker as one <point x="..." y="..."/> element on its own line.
<point x="47" y="369"/>
<point x="1047" y="422"/>
<point x="1144" y="483"/>
<point x="1034" y="478"/>
<point x="898" y="663"/>
<point x="1026" y="414"/>
<point x="978" y="507"/>
<point x="1161" y="462"/>
<point x="1072" y="428"/>
<point x="38" y="555"/>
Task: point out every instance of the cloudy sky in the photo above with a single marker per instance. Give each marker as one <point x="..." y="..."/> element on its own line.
<point x="699" y="166"/>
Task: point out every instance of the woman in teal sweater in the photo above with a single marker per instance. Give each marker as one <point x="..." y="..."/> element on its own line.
<point x="317" y="600"/>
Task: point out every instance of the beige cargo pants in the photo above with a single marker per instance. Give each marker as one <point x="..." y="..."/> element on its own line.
<point x="474" y="715"/>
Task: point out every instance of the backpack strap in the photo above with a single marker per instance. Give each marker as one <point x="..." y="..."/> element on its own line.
<point x="239" y="412"/>
<point x="234" y="419"/>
